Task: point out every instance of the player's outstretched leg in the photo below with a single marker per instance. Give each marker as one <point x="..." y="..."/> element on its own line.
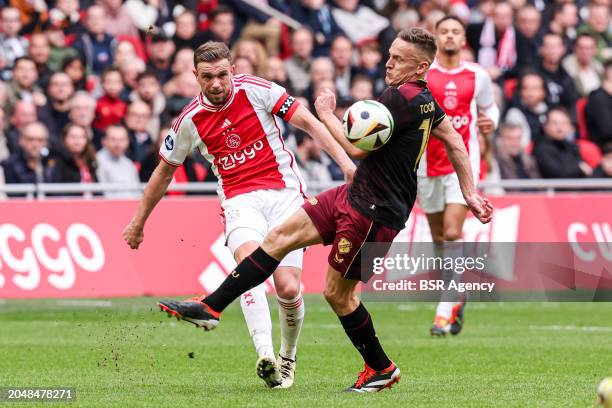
<point x="379" y="372"/>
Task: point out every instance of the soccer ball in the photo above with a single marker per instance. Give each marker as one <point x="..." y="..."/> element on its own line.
<point x="604" y="393"/>
<point x="368" y="125"/>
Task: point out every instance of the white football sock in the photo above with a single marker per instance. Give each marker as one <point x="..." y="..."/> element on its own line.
<point x="291" y="316"/>
<point x="452" y="249"/>
<point x="257" y="315"/>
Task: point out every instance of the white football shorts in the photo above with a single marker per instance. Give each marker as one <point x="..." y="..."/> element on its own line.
<point x="249" y="217"/>
<point x="434" y="193"/>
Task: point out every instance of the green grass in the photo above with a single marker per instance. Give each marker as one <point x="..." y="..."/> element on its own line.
<point x="124" y="353"/>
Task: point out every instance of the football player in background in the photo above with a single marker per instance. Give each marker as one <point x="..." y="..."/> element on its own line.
<point x="465" y="91"/>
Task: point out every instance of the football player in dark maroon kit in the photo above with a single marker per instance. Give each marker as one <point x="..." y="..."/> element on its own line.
<point x="373" y="208"/>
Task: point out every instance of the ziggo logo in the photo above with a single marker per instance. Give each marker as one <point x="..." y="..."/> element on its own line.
<point x="234" y="159"/>
<point x="27" y="268"/>
<point x="459" y="121"/>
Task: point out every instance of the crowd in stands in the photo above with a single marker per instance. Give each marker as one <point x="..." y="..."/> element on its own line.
<point x="87" y="89"/>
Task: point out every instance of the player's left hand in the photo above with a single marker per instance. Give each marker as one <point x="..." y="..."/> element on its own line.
<point x="481" y="207"/>
<point x="349" y="173"/>
<point x="485" y="124"/>
<point x="325" y="103"/>
<point x="133" y="234"/>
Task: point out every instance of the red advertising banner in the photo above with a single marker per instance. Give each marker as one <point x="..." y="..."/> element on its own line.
<point x="75" y="249"/>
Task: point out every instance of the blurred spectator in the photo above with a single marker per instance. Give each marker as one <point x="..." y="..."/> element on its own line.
<point x="256" y="25"/>
<point x="321" y="68"/>
<point x="40" y="51"/>
<point x="12" y="45"/>
<point x="529" y="109"/>
<point x="204" y="9"/>
<point x="113" y="165"/>
<point x="95" y="46"/>
<point x="130" y="70"/>
<point x="28" y="164"/>
<point x="528" y="20"/>
<point x="489" y="168"/>
<point x="221" y="26"/>
<point x="65" y="15"/>
<point x="494" y="41"/>
<point x="54" y="113"/>
<point x="110" y="109"/>
<point x="604" y="170"/>
<point x="557" y="157"/>
<point x="251" y="50"/>
<point x="75" y="69"/>
<point x="160" y="50"/>
<point x="183" y="62"/>
<point x="370" y="59"/>
<point x="59" y="52"/>
<point x="148" y="90"/>
<point x="274" y="70"/>
<point x="119" y="20"/>
<point x="187" y="34"/>
<point x="341" y="54"/>
<point x="74" y="161"/>
<point x="24" y="114"/>
<point x="361" y="88"/>
<point x="564" y="22"/>
<point x="598" y="111"/>
<point x="82" y="112"/>
<point x="357" y="21"/>
<point x="514" y="162"/>
<point x="124" y="52"/>
<point x="582" y="66"/>
<point x="23" y="85"/>
<point x="598" y="24"/>
<point x="310" y="159"/>
<point x="186" y="88"/>
<point x="559" y="84"/>
<point x="317" y="15"/>
<point x="302" y="44"/>
<point x="136" y="123"/>
<point x="33" y="14"/>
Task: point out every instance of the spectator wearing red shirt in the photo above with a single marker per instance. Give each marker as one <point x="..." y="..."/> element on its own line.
<point x="110" y="109"/>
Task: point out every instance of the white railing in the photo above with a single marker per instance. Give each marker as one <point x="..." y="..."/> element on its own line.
<point x="42" y="191"/>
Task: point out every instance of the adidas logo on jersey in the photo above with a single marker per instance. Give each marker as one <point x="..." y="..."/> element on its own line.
<point x="451" y="85"/>
<point x="226" y="123"/>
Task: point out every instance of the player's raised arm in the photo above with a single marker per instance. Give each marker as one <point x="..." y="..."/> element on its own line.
<point x="325" y="105"/>
<point x="306" y="121"/>
<point x="457" y="153"/>
<point x="154" y="191"/>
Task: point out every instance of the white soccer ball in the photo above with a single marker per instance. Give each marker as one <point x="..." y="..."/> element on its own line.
<point x="604" y="393"/>
<point x="368" y="125"/>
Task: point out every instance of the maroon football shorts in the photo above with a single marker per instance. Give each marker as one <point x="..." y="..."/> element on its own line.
<point x="347" y="230"/>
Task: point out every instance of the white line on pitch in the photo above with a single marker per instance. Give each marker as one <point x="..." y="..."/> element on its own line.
<point x="600" y="329"/>
<point x="85" y="303"/>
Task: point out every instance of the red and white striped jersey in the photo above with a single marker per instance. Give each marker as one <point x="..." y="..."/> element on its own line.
<point x="241" y="139"/>
<point x="462" y="92"/>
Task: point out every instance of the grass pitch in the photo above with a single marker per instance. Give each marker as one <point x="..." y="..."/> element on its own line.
<point x="125" y="353"/>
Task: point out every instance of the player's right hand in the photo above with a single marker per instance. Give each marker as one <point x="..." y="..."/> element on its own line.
<point x="349" y="173"/>
<point x="481" y="207"/>
<point x="133" y="234"/>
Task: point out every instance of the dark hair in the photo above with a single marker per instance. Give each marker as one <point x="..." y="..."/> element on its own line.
<point x="560" y="109"/>
<point x="608" y="64"/>
<point x="549" y="34"/>
<point x="606" y="149"/>
<point x="110" y="70"/>
<point x="422" y="39"/>
<point x="451" y="17"/>
<point x="218" y="11"/>
<point x="585" y="35"/>
<point x="211" y="51"/>
<point x="70" y="59"/>
<point x="89" y="153"/>
<point x="361" y="78"/>
<point x="25" y="58"/>
<point x="339" y="37"/>
<point x="146" y="74"/>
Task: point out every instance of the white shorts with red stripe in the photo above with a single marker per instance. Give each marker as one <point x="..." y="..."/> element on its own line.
<point x="434" y="193"/>
<point x="250" y="216"/>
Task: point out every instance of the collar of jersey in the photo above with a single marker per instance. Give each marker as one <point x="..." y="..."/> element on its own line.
<point x="209" y="106"/>
<point x="451" y="71"/>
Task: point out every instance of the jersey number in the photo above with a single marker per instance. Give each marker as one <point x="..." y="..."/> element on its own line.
<point x="426" y="128"/>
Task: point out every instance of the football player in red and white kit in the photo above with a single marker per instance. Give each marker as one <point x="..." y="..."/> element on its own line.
<point x="465" y="91"/>
<point x="233" y="124"/>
